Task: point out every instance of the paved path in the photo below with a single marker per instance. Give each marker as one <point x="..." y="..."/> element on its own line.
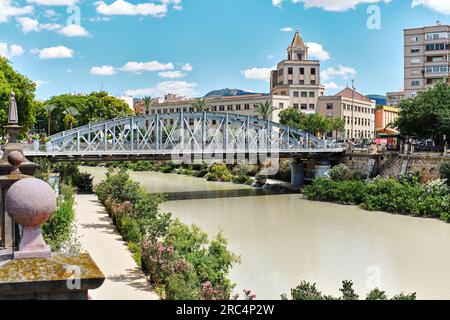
<point x="99" y="237"/>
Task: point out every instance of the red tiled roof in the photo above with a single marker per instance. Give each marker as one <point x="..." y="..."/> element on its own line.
<point x="348" y="93"/>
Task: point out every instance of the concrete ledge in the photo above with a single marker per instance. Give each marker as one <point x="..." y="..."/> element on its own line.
<point x="61" y="277"/>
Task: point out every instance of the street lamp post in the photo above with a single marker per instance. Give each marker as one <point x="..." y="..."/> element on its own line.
<point x="353" y="109"/>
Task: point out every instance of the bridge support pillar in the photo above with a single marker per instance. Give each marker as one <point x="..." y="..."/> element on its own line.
<point x="322" y="169"/>
<point x="297" y="174"/>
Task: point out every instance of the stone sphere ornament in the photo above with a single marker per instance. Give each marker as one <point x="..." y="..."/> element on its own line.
<point x="15" y="159"/>
<point x="31" y="202"/>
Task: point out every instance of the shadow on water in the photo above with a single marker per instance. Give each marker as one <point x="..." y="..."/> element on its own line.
<point x="216" y="194"/>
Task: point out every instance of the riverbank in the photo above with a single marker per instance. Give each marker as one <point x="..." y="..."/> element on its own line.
<point x="284" y="239"/>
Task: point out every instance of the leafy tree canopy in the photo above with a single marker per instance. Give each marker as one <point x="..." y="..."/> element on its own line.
<point x="314" y="123"/>
<point x="426" y="116"/>
<point x="78" y="110"/>
<point x="24" y="88"/>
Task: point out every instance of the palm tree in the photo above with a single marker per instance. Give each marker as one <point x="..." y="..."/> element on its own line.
<point x="265" y="109"/>
<point x="147" y="104"/>
<point x="49" y="109"/>
<point x="70" y="114"/>
<point x="201" y="105"/>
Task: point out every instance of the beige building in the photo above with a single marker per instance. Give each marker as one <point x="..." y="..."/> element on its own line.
<point x="394" y="98"/>
<point x="298" y="78"/>
<point x="355" y="109"/>
<point x="243" y="105"/>
<point x="426" y="57"/>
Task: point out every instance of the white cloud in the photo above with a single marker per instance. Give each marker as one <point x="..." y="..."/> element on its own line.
<point x="257" y="73"/>
<point x="138" y="67"/>
<point x="103" y="71"/>
<point x="187" y="67"/>
<point x="332" y="5"/>
<point x="317" y="51"/>
<point x="176" y="87"/>
<point x="28" y="24"/>
<point x="58" y="52"/>
<point x="340" y="72"/>
<point x="50" y="26"/>
<point x="50" y="13"/>
<point x="172" y="74"/>
<point x="121" y="7"/>
<point x="7" y="10"/>
<point x="74" y="30"/>
<point x="10" y="51"/>
<point x="53" y="2"/>
<point x="442" y="6"/>
<point x="332" y="86"/>
<point x="287" y="29"/>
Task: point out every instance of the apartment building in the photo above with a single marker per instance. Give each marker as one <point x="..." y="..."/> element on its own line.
<point x="426" y="57"/>
<point x="356" y="109"/>
<point x="394" y="98"/>
<point x="298" y="77"/>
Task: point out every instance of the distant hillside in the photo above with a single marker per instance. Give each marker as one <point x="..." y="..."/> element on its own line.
<point x="227" y="93"/>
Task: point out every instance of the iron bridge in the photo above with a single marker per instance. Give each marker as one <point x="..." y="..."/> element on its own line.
<point x="180" y="135"/>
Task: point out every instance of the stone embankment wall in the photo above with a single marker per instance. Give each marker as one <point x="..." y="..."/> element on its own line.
<point x="392" y="165"/>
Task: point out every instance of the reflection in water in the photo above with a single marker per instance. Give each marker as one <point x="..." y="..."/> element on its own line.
<point x="284" y="239"/>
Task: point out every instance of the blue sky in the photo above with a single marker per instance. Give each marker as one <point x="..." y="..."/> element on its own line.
<point x="194" y="46"/>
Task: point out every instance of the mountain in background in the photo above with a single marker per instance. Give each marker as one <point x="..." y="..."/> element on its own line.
<point x="227" y="93"/>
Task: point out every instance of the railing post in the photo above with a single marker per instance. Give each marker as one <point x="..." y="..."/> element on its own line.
<point x="157" y="133"/>
<point x="78" y="141"/>
<point x="105" y="138"/>
<point x="204" y="131"/>
<point x="182" y="129"/>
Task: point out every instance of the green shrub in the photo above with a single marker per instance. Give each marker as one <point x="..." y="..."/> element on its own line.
<point x="182" y="286"/>
<point x="444" y="170"/>
<point x="219" y="172"/>
<point x="309" y="291"/>
<point x="58" y="229"/>
<point x="129" y="229"/>
<point x="85" y="182"/>
<point x="340" y="173"/>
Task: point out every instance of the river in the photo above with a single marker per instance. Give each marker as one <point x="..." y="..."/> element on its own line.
<point x="284" y="239"/>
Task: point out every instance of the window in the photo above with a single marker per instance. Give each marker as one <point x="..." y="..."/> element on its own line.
<point x="290" y="82"/>
<point x="415" y="83"/>
<point x="329" y="106"/>
<point x="296" y="106"/>
<point x="312" y="106"/>
<point x="247" y="107"/>
<point x="296" y="95"/>
<point x="436" y="46"/>
<point x="222" y="108"/>
<point x="280" y="72"/>
<point x="304" y="106"/>
<point x="313" y="71"/>
<point x="415" y="61"/>
<point x="415" y="50"/>
<point x="313" y="82"/>
<point x="238" y="107"/>
<point x="302" y="82"/>
<point x="281" y="105"/>
<point x="290" y="71"/>
<point x="302" y="71"/>
<point x="436" y="36"/>
<point x="312" y="94"/>
<point x="304" y="94"/>
<point x="230" y="107"/>
<point x="214" y="108"/>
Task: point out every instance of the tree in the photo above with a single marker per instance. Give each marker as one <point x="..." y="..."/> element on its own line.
<point x="426" y="116"/>
<point x="200" y="105"/>
<point x="70" y="117"/>
<point x="49" y="109"/>
<point x="147" y="104"/>
<point x="265" y="109"/>
<point x="90" y="108"/>
<point x="338" y="126"/>
<point x="24" y="88"/>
